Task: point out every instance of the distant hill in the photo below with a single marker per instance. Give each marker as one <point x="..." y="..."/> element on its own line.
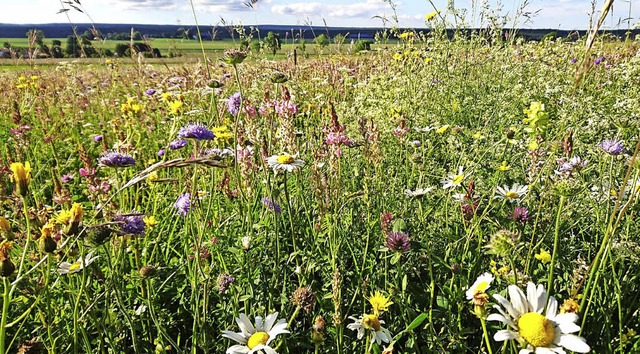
<point x="122" y="31"/>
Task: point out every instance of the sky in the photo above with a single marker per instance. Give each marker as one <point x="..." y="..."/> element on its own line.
<point x="553" y="14"/>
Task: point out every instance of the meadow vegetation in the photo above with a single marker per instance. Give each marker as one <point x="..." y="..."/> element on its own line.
<point x="391" y="200"/>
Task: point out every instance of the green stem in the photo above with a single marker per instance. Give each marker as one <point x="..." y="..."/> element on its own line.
<point x="486" y="335"/>
<point x="6" y="301"/>
<point x="556" y="242"/>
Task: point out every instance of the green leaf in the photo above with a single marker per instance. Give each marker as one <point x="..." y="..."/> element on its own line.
<point x="417" y="322"/>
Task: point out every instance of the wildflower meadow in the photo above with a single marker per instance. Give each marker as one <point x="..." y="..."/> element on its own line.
<point x="436" y="194"/>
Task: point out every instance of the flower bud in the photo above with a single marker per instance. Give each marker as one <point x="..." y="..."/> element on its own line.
<point x="22" y="177"/>
<point x="47" y="244"/>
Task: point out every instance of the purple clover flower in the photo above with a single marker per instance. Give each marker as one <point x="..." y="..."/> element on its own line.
<point x="195" y="131"/>
<point x="116" y="159"/>
<point x="520" y="215"/>
<point x="150" y="92"/>
<point x="398" y="242"/>
<point x="183" y="204"/>
<point x="613" y="147"/>
<point x="233" y="103"/>
<point x="66" y="178"/>
<point x="177" y="144"/>
<point x="132" y="224"/>
<point x="224" y="281"/>
<point x="272" y="205"/>
<point x="97" y="138"/>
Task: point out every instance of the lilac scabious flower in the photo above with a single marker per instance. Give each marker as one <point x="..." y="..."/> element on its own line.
<point x="224" y="282"/>
<point x="599" y="60"/>
<point x="271" y="204"/>
<point x="398" y="242"/>
<point x="150" y="92"/>
<point x="574" y="60"/>
<point x="132" y="223"/>
<point x="195" y="131"/>
<point x="115" y="159"/>
<point x="233" y="103"/>
<point x="520" y="215"/>
<point x="613" y="147"/>
<point x="177" y="144"/>
<point x="183" y="204"/>
<point x="97" y="138"/>
<point x="573" y="165"/>
<point x="161" y="152"/>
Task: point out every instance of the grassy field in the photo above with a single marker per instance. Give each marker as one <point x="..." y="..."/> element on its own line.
<point x="427" y="196"/>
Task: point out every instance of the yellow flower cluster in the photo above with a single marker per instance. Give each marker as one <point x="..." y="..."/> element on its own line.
<point x="223" y="134"/>
<point x="131" y="108"/>
<point x="28" y="83"/>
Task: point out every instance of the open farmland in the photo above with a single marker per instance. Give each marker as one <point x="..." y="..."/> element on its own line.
<point x="392" y="200"/>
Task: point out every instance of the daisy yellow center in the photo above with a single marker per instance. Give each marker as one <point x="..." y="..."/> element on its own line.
<point x="257" y="338"/>
<point x="74" y="266"/>
<point x="512" y="195"/>
<point x="285" y="159"/>
<point x="458" y="179"/>
<point x="371" y="322"/>
<point x="536" y="329"/>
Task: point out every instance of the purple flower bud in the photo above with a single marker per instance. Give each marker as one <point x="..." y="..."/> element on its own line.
<point x="97" y="138"/>
<point x="131" y="224"/>
<point x="520" y="215"/>
<point x="272" y="205"/>
<point x="599" y="60"/>
<point x="398" y="242"/>
<point x="161" y="152"/>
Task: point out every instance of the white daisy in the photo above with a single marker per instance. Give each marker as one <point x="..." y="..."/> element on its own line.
<point x="70" y="268"/>
<point x="254" y="339"/>
<point x="284" y="162"/>
<point x="453" y="180"/>
<point x="513" y="194"/>
<point x="372" y="323"/>
<point x="480" y="286"/>
<point x="543" y="334"/>
<point x="418" y="192"/>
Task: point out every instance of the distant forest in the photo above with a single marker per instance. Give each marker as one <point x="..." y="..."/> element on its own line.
<point x="124" y="31"/>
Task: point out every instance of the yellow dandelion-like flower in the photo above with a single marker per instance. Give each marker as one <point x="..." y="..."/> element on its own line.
<point x="379" y="302"/>
<point x="443" y="129"/>
<point x="76" y="212"/>
<point x="63" y="217"/>
<point x="397" y="56"/>
<point x="150" y="221"/>
<point x="167" y="97"/>
<point x="570" y="306"/>
<point x="431" y="15"/>
<point x="504" y="166"/>
<point x="22" y="177"/>
<point x="175" y="107"/>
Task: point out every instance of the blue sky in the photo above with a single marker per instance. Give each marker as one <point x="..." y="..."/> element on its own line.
<point x="556" y="14"/>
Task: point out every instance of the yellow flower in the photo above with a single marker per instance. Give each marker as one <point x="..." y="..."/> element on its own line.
<point x="543" y="256"/>
<point x="431" y="15"/>
<point x="504" y="167"/>
<point x="397" y="56"/>
<point x="166" y="97"/>
<point x="49" y="228"/>
<point x="22" y="177"/>
<point x="175" y="107"/>
<point x="150" y="221"/>
<point x="570" y="306"/>
<point x="478" y="135"/>
<point x="76" y="213"/>
<point x="427" y="60"/>
<point x="63" y="217"/>
<point x="379" y="302"/>
<point x="442" y="129"/>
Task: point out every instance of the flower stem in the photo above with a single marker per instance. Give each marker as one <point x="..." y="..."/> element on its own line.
<point x="556" y="241"/>
<point x="6" y="300"/>
<point x="486" y="334"/>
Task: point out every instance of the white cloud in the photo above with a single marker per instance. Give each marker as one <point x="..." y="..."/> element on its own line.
<point x="224" y="5"/>
<point x="366" y="8"/>
<point x="145" y="5"/>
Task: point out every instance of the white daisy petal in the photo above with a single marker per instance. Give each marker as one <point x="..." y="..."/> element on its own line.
<point x="238" y="349"/>
<point x="532" y="296"/>
<point x="268" y="323"/>
<point x="507" y="306"/>
<point x="543" y="350"/>
<point x="573" y="342"/>
<point x="238" y="337"/>
<point x="503" y="335"/>
<point x="245" y="325"/>
<point x="518" y="300"/>
<point x="525" y="351"/>
<point x="552" y="308"/>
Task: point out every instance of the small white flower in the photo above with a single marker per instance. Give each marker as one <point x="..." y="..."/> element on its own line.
<point x="544" y="334"/>
<point x="453" y="180"/>
<point x="480" y="285"/>
<point x="513" y="194"/>
<point x="284" y="162"/>
<point x="372" y="323"/>
<point x="418" y="192"/>
<point x="254" y="339"/>
<point x="70" y="268"/>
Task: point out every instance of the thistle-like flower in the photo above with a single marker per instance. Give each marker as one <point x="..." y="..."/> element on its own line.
<point x="115" y="159"/>
<point x="195" y="131"/>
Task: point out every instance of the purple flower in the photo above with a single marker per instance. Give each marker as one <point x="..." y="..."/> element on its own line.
<point x="574" y="60"/>
<point x="195" y="131"/>
<point x="132" y="223"/>
<point x="233" y="103"/>
<point x="224" y="282"/>
<point x="613" y="147"/>
<point x="183" y="204"/>
<point x="177" y="144"/>
<point x="520" y="214"/>
<point x="97" y="138"/>
<point x="66" y="178"/>
<point x="398" y="242"/>
<point x="115" y="159"/>
<point x="599" y="60"/>
<point x="150" y="92"/>
<point x="161" y="152"/>
<point x="271" y="204"/>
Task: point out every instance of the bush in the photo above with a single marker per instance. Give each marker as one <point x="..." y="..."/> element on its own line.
<point x="362" y="44"/>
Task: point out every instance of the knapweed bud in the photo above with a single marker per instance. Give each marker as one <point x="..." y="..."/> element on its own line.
<point x="303" y="297"/>
<point x="147" y="271"/>
<point x="22" y="177"/>
<point x="279" y="77"/>
<point x="99" y="235"/>
<point x="47" y="244"/>
<point x="214" y="84"/>
<point x="234" y="56"/>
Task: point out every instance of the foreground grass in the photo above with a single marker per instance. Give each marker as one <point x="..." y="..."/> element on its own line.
<point x="380" y="135"/>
